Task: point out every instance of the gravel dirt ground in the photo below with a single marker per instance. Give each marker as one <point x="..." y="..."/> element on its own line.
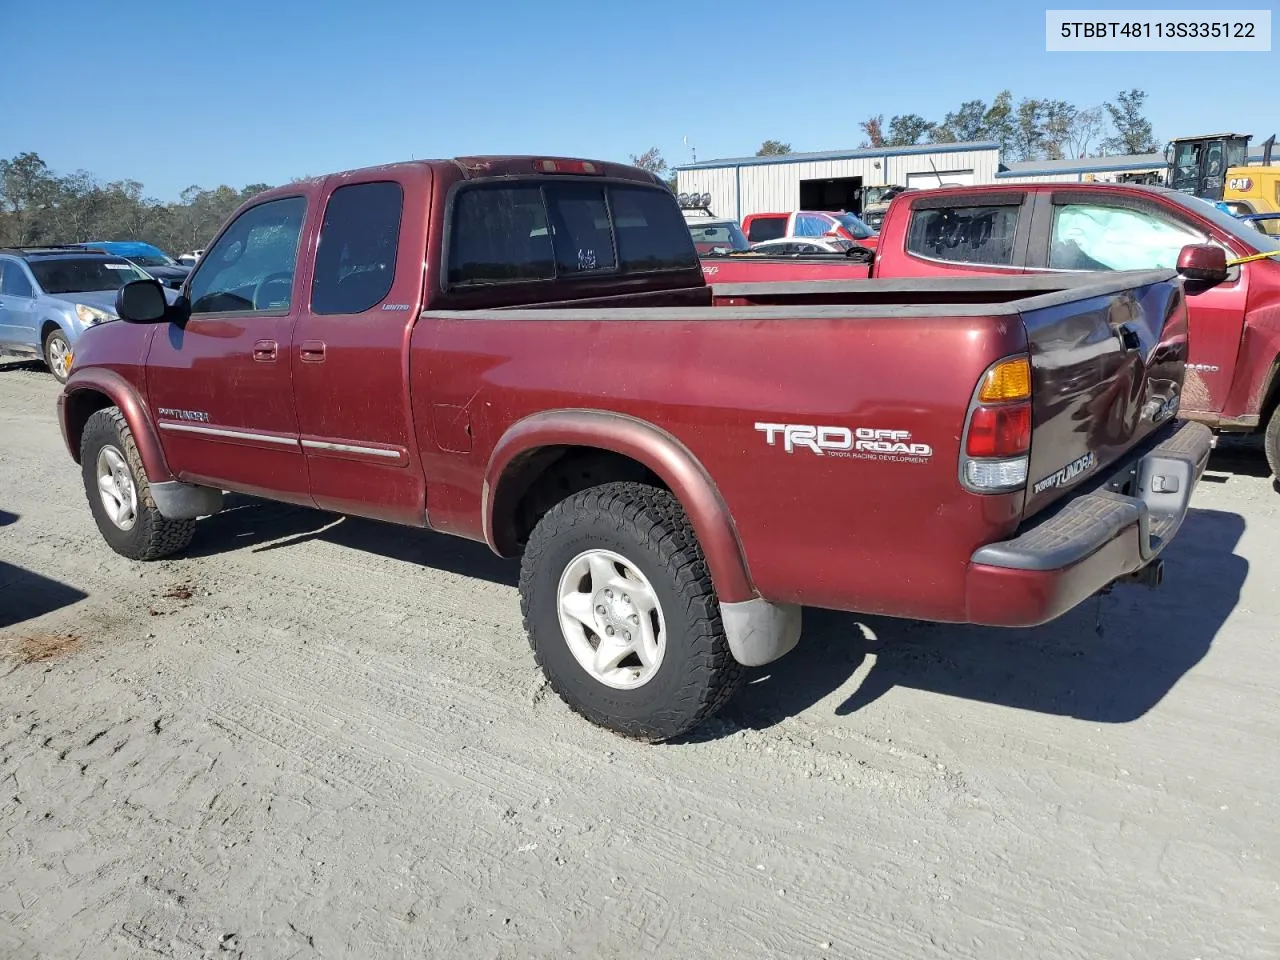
<point x="320" y="737"/>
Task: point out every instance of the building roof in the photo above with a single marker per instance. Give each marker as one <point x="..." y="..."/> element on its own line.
<point x="1132" y="161"/>
<point x="1031" y="168"/>
<point x="867" y="153"/>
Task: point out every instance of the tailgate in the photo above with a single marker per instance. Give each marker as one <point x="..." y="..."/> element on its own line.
<point x="1106" y="371"/>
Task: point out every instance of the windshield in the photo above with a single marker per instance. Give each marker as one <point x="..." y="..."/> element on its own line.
<point x="716" y="237"/>
<point x="1241" y="230"/>
<point x="153" y="261"/>
<point x="83" y="275"/>
<point x="857" y="229"/>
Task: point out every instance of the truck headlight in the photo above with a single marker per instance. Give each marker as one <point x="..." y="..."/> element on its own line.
<point x="91" y="315"/>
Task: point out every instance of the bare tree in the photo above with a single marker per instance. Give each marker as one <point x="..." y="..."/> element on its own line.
<point x="873" y="127"/>
<point x="651" y="161"/>
<point x="1083" y="130"/>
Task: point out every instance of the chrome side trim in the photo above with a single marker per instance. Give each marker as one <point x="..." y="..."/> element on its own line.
<point x="228" y="434"/>
<point x="351" y="448"/>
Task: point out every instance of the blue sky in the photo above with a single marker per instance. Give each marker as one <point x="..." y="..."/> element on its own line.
<point x="198" y="92"/>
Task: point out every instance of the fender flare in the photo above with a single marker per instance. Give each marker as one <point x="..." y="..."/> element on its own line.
<point x="122" y="394"/>
<point x="647" y="444"/>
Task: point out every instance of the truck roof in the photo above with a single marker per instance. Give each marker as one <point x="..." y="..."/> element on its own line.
<point x="481" y="166"/>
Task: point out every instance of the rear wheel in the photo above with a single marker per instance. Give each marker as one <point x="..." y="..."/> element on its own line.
<point x="57" y="354"/>
<point x="622" y="615"/>
<point x="119" y="494"/>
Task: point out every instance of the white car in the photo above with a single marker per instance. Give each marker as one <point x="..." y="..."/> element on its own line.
<point x="190" y="259"/>
<point x="791" y="246"/>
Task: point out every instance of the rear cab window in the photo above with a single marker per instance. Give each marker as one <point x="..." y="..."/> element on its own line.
<point x="767" y="228"/>
<point x="973" y="233"/>
<point x="561" y="230"/>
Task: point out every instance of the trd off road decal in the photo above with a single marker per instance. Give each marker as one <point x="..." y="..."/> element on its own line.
<point x="1068" y="473"/>
<point x="859" y="443"/>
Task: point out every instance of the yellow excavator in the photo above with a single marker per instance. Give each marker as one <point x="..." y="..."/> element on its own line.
<point x="1216" y="168"/>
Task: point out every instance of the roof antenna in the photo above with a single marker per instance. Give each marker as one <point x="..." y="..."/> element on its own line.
<point x="936" y="173"/>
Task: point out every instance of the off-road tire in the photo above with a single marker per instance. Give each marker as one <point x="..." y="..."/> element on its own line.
<point x="646" y="525"/>
<point x="152" y="535"/>
<point x="1272" y="444"/>
<point x="54" y="334"/>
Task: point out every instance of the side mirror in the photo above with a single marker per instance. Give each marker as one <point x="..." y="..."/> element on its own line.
<point x="1204" y="262"/>
<point x="141" y="301"/>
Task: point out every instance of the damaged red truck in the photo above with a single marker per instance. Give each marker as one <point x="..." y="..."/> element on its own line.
<point x="523" y="351"/>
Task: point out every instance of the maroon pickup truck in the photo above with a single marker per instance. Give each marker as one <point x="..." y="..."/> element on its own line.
<point x="522" y="351"/>
<point x="1233" y="372"/>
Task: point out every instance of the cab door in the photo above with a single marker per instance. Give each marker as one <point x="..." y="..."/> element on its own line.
<point x="1084" y="230"/>
<point x="220" y="385"/>
<point x="349" y="358"/>
<point x="17" y="307"/>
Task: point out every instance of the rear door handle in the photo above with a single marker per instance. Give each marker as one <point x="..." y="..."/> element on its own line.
<point x="312" y="351"/>
<point x="265" y="350"/>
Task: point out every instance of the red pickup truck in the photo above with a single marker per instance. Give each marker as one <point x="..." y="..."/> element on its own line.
<point x="1233" y="372"/>
<point x="523" y="351"/>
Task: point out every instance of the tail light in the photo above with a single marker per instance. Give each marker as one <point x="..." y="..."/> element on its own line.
<point x="997" y="437"/>
<point x="567" y="166"/>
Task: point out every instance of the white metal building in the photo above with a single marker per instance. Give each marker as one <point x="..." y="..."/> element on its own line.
<point x="828" y="181"/>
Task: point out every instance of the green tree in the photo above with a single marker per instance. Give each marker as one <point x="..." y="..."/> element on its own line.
<point x="1133" y="132"/>
<point x="907" y="129"/>
<point x="773" y="148"/>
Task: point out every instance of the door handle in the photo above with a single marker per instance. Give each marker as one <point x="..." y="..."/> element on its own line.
<point x="1129" y="337"/>
<point x="265" y="350"/>
<point x="312" y="351"/>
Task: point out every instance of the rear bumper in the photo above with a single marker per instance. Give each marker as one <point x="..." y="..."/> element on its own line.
<point x="1117" y="526"/>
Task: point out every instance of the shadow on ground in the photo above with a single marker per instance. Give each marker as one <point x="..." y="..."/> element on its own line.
<point x="1110" y="660"/>
<point x="262" y="525"/>
<point x="25" y="595"/>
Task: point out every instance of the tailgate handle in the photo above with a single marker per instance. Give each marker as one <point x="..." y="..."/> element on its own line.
<point x="265" y="350"/>
<point x="1129" y="337"/>
<point x="311" y="351"/>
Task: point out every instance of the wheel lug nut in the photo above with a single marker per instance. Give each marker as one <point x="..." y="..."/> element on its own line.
<point x="608" y="631"/>
<point x="626" y="635"/>
<point x="625" y="598"/>
<point x="600" y="610"/>
<point x="609" y="594"/>
<point x="634" y="618"/>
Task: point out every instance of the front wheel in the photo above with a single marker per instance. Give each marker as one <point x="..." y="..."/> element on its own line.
<point x="622" y="615"/>
<point x="1272" y="443"/>
<point x="57" y="354"/>
<point x="120" y="495"/>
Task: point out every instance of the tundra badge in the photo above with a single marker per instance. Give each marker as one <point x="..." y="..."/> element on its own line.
<point x="1068" y="473"/>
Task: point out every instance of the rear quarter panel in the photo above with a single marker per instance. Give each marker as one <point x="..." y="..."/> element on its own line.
<point x="859" y="532"/>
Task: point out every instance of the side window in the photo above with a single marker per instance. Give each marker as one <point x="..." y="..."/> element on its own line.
<point x="356" y="256"/>
<point x="808" y="225"/>
<point x="1097" y="237"/>
<point x="767" y="228"/>
<point x="250" y="269"/>
<point x="13" y="281"/>
<point x="964" y="234"/>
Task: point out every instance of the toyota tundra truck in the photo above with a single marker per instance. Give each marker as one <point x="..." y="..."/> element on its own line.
<point x="1233" y="287"/>
<point x="523" y="351"/>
